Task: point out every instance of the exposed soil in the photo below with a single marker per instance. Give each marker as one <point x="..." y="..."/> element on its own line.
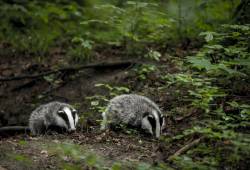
<point x="19" y="97"/>
<point x="110" y="146"/>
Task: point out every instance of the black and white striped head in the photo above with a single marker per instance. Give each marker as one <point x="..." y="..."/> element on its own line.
<point x="67" y="118"/>
<point x="153" y="123"/>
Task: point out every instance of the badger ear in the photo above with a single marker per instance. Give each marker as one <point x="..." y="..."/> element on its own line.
<point x="76" y="119"/>
<point x="163" y="122"/>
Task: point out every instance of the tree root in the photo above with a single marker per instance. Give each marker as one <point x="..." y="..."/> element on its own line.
<point x="68" y="69"/>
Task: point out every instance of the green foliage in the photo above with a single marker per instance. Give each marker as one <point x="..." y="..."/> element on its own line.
<point x="98" y="102"/>
<point x="81" y="49"/>
<point x="200" y="90"/>
<point x="224" y="121"/>
<point x="132" y="26"/>
<point x="190" y="17"/>
<point x="71" y="152"/>
<point x="36" y="27"/>
<point x="153" y="55"/>
<point x="25" y="160"/>
<point x="22" y="142"/>
<point x="144" y="70"/>
<point x="227" y="53"/>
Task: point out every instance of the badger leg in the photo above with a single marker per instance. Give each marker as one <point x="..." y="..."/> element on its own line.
<point x="104" y="123"/>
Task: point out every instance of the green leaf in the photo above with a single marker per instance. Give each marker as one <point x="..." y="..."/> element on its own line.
<point x="200" y="63"/>
<point x="49" y="78"/>
<point x="233" y="104"/>
<point x="209" y="36"/>
<point x="99" y="85"/>
<point x="229" y="70"/>
<point x="242" y="62"/>
<point x="94" y="103"/>
<point x="91" y="160"/>
<point x="116" y="166"/>
<point x="214" y="47"/>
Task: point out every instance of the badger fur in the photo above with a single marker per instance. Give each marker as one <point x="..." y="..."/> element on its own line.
<point x="134" y="110"/>
<point x="53" y="114"/>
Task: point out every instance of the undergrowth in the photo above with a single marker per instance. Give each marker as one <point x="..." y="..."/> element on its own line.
<point x="78" y="28"/>
<point x="214" y="79"/>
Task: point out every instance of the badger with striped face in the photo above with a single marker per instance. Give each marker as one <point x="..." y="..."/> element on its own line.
<point x="135" y="110"/>
<point x="153" y="122"/>
<point x="54" y="115"/>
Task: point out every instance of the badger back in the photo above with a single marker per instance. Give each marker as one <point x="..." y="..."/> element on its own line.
<point x="130" y="108"/>
<point x="124" y="109"/>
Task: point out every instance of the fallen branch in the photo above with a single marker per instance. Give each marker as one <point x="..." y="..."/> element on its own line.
<point x="185" y="148"/>
<point x="184" y="117"/>
<point x="76" y="68"/>
<point x="14" y="128"/>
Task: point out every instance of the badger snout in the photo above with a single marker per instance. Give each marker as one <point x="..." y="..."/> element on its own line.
<point x="72" y="130"/>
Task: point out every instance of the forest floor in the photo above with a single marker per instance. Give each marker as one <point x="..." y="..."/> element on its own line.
<point x="19" y="97"/>
<point x="21" y="152"/>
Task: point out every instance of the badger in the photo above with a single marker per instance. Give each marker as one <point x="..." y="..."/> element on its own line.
<point x="135" y="110"/>
<point x="53" y="115"/>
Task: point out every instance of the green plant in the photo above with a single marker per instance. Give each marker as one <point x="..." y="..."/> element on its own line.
<point x="193" y="16"/>
<point x="226" y="53"/>
<point x="21" y="158"/>
<point x="35" y="27"/>
<point x="144" y="70"/>
<point x="153" y="55"/>
<point x="81" y="49"/>
<point x="212" y="80"/>
<point x="98" y="102"/>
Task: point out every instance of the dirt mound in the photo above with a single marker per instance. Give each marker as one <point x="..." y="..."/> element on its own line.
<point x="19" y="97"/>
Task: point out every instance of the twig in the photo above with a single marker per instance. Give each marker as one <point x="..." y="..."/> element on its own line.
<point x="186" y="148"/>
<point x="76" y="68"/>
<point x="184" y="117"/>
